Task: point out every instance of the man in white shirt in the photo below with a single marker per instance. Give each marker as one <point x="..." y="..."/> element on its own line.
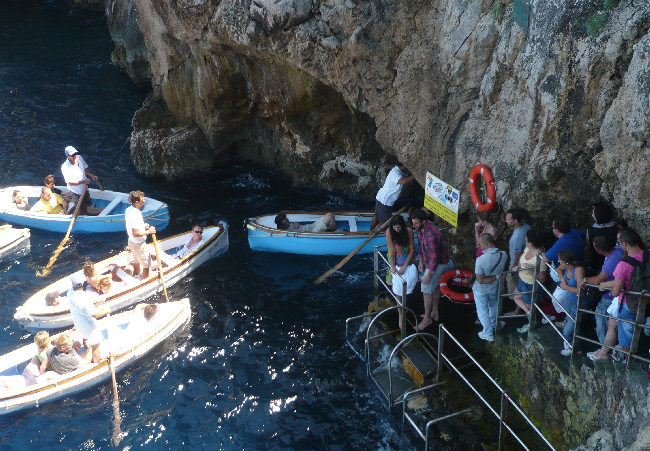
<point x="138" y="230"/>
<point x="76" y="174"/>
<point x="84" y="314"/>
<point x="388" y="194"/>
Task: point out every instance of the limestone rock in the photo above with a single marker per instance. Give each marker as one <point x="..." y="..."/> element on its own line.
<point x="307" y="85"/>
<point x="642" y="442"/>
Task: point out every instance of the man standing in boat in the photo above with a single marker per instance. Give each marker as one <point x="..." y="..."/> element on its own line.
<point x="138" y="230"/>
<point x="84" y="314"/>
<point x="389" y="193"/>
<point x="76" y="174"/>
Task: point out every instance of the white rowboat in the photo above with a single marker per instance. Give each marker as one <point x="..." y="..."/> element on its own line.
<point x="36" y="314"/>
<point x="11" y="239"/>
<point x="126" y="343"/>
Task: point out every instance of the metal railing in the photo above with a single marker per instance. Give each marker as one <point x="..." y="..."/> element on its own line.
<point x="505" y="399"/>
<point x="536" y="312"/>
<point x="378" y="279"/>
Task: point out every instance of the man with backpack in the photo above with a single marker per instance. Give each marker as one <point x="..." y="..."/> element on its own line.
<point x="631" y="274"/>
<point x="486" y="287"/>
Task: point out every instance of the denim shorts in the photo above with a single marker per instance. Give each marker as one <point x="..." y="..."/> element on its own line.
<point x="522" y="287"/>
<point x="625" y="330"/>
<point x="430" y="287"/>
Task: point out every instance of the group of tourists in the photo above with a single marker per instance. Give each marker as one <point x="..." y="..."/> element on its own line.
<point x="596" y="264"/>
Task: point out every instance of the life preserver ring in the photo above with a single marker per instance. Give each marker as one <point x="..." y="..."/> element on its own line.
<point x="451" y="294"/>
<point x="482" y="171"/>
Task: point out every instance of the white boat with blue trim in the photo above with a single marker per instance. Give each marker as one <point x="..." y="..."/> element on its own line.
<point x="35" y="313"/>
<point x="127" y="336"/>
<point x="353" y="228"/>
<point x="111" y="218"/>
<point x="12" y="239"/>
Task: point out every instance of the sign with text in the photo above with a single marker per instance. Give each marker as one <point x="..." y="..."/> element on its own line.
<point x="442" y="199"/>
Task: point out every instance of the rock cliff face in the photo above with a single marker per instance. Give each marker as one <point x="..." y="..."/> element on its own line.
<point x="325" y="90"/>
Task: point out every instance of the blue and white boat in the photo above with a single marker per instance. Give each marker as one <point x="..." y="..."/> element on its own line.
<point x="353" y="228"/>
<point x="111" y="219"/>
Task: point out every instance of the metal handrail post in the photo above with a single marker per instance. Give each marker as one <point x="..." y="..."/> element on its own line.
<point x="500" y="278"/>
<point x="640" y="319"/>
<point x="403" y="317"/>
<point x="376" y="272"/>
<point x="576" y="322"/>
<point x="534" y="314"/>
<point x="441" y="344"/>
<point x="503" y="408"/>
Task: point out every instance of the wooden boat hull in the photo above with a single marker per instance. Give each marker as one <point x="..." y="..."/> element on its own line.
<point x="33" y="314"/>
<point x="353" y="229"/>
<point x="155" y="213"/>
<point x="174" y="315"/>
<point x="12" y="240"/>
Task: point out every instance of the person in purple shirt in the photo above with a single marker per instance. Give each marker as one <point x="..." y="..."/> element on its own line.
<point x="612" y="254"/>
<point x="567" y="238"/>
<point x="434" y="262"/>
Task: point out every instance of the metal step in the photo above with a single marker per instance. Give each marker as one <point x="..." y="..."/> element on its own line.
<point x="423" y="361"/>
<point x="401" y="383"/>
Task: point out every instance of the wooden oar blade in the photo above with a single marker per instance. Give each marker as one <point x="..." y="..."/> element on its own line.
<point x="351" y="254"/>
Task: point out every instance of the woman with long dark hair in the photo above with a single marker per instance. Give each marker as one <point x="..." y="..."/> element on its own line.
<point x="570" y="271"/>
<point x="401" y="250"/>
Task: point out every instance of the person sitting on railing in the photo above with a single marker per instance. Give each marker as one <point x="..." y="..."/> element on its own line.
<point x="632" y="244"/>
<point x="486" y="287"/>
<point x="612" y="254"/>
<point x="327" y="223"/>
<point x="401" y="250"/>
<point x="570" y="271"/>
<point x="526" y="274"/>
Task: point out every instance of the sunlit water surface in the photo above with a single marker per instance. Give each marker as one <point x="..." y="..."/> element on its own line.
<point x="263" y="362"/>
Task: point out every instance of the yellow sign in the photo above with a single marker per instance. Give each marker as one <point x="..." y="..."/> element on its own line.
<point x="442" y="199"/>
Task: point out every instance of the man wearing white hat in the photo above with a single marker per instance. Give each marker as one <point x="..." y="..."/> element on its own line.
<point x="76" y="174"/>
<point x="84" y="314"/>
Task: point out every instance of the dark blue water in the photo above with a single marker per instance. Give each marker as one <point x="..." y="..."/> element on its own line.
<point x="263" y="363"/>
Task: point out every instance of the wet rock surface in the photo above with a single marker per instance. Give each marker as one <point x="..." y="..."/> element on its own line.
<point x="324" y="90"/>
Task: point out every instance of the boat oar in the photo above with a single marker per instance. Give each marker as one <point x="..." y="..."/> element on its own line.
<point x="351" y="254"/>
<point x="160" y="268"/>
<point x="117" y="418"/>
<point x="47" y="270"/>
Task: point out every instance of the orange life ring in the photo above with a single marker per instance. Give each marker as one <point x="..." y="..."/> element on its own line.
<point x="482" y="171"/>
<point x="451" y="294"/>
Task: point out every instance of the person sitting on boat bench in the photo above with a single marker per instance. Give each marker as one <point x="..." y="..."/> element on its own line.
<point x="50" y="203"/>
<point x="63" y="358"/>
<point x="84" y="314"/>
<point x="327" y="223"/>
<point x="50" y="182"/>
<point x="193" y="243"/>
<point x="76" y="174"/>
<point x="22" y="203"/>
<point x="137" y="230"/>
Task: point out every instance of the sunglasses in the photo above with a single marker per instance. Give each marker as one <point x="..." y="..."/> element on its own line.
<point x="198" y="231"/>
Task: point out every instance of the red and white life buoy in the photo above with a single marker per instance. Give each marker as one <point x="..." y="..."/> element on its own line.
<point x="445" y="290"/>
<point x="481" y="170"/>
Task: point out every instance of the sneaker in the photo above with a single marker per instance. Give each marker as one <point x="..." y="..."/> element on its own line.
<point x="550" y="319"/>
<point x="501" y="325"/>
<point x="566" y="351"/>
<point x="482" y="336"/>
<point x="523" y="329"/>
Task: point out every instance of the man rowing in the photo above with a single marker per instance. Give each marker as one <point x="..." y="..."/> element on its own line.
<point x="76" y="174"/>
<point x="137" y="230"/>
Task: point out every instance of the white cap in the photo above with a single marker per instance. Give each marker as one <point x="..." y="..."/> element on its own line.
<point x="70" y="150"/>
<point x="77" y="279"/>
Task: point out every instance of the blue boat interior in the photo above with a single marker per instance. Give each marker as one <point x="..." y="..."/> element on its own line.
<point x="119" y="209"/>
